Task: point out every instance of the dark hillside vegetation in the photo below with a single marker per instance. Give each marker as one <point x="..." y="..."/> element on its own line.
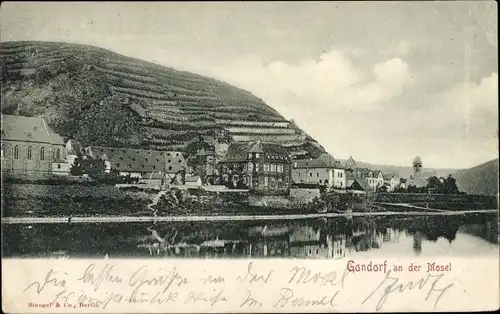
<point x="482" y="179"/>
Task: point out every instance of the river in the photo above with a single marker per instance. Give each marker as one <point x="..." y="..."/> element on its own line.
<point x="325" y="238"/>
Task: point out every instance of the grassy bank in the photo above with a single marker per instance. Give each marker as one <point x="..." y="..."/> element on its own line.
<point x="25" y="200"/>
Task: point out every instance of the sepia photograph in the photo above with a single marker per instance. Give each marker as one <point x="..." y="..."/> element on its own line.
<point x="255" y="131"/>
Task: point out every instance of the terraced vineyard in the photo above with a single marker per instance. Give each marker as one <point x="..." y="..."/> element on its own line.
<point x="68" y="84"/>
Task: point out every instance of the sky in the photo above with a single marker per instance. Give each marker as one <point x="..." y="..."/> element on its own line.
<point x="380" y="81"/>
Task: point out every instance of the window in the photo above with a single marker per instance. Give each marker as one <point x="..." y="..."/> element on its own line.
<point x="273" y="168"/>
<point x="249" y="155"/>
<point x="121" y="158"/>
<point x="310" y="174"/>
<point x="42" y="153"/>
<point x="317" y="174"/>
<point x="257" y="167"/>
<point x="58" y="166"/>
<point x="169" y="161"/>
<point x="266" y="167"/>
<point x="133" y="159"/>
<point x="295" y="164"/>
<point x="58" y="154"/>
<point x="326" y="181"/>
<point x="180" y="161"/>
<point x="257" y="155"/>
<point x="266" y="181"/>
<point x="176" y="154"/>
<point x="29" y="152"/>
<point x="320" y="181"/>
<point x="118" y="165"/>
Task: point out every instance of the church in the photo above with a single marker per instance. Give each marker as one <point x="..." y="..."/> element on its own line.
<point x="30" y="148"/>
<point x="417" y="179"/>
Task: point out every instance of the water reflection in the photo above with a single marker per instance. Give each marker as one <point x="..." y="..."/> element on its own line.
<point x="309" y="239"/>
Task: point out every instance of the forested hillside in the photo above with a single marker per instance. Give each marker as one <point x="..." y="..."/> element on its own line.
<point x="103" y="98"/>
<point x="482" y="179"/>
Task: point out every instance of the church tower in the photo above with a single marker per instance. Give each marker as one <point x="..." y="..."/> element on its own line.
<point x="417" y="167"/>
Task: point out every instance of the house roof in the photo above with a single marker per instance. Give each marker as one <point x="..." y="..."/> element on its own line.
<point x="350" y="163"/>
<point x="364" y="172"/>
<point x="192" y="179"/>
<point x="139" y="160"/>
<point x="257" y="148"/>
<point x="237" y="151"/>
<point x="323" y="161"/>
<point x="28" y="129"/>
<point x="362" y="183"/>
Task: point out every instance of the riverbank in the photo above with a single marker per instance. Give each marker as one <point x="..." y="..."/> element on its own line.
<point x="124" y="219"/>
<point x="42" y="200"/>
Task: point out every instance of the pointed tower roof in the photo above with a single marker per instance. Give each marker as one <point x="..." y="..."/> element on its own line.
<point x="350" y="163"/>
<point x="417" y="161"/>
<point x="257" y="148"/>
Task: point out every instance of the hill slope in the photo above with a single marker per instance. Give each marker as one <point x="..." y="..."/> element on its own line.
<point x="103" y="98"/>
<point x="482" y="179"/>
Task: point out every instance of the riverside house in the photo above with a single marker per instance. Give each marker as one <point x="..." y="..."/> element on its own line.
<point x="375" y="179"/>
<point x="324" y="170"/>
<point x="30" y="148"/>
<point x="140" y="163"/>
<point x="261" y="167"/>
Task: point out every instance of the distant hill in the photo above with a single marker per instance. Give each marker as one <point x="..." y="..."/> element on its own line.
<point x="103" y="98"/>
<point x="404" y="172"/>
<point x="482" y="179"/>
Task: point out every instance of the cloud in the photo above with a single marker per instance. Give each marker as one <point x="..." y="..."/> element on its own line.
<point x="470" y="97"/>
<point x="332" y="82"/>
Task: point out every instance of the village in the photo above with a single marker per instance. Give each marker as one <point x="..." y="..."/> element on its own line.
<point x="32" y="150"/>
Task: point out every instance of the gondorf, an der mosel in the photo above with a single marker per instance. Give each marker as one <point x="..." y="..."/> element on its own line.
<point x="171" y="163"/>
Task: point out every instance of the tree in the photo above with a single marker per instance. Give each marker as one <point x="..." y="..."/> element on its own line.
<point x="433" y="182"/>
<point x="77" y="167"/>
<point x="94" y="167"/>
<point x="451" y="185"/>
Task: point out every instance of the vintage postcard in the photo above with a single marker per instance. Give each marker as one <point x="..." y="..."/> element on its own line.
<point x="249" y="157"/>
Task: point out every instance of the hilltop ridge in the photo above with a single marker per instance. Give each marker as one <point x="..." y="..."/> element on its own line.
<point x="481" y="179"/>
<point x="85" y="92"/>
